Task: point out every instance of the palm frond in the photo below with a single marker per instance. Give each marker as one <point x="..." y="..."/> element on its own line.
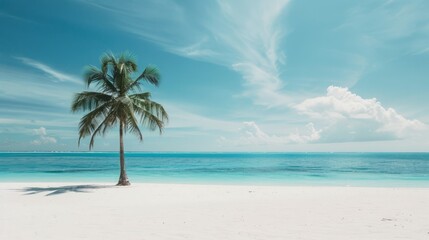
<point x="150" y="75"/>
<point x="152" y="114"/>
<point x="131" y="122"/>
<point x="90" y="121"/>
<point x="142" y="96"/>
<point x="106" y="60"/>
<point x="89" y="100"/>
<point x="128" y="62"/>
<point x="108" y="121"/>
<point x="158" y="110"/>
<point x="101" y="78"/>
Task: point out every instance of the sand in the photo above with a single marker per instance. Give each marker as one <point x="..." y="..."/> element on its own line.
<point x="179" y="211"/>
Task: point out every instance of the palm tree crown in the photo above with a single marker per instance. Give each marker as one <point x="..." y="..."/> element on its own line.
<point x="119" y="100"/>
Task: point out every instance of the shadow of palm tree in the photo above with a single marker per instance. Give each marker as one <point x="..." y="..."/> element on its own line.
<point x="63" y="189"/>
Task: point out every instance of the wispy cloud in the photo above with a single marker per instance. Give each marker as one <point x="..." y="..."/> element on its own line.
<point x="15" y="18"/>
<point x="183" y="118"/>
<point x="28" y="100"/>
<point x="28" y="89"/>
<point x="378" y="24"/>
<point x="55" y="74"/>
<point x="243" y="36"/>
<point x="249" y="36"/>
<point x="421" y="51"/>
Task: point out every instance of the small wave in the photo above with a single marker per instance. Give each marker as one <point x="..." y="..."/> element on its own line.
<point x="77" y="170"/>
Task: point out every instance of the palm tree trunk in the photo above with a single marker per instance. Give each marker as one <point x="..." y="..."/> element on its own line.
<point x="123" y="178"/>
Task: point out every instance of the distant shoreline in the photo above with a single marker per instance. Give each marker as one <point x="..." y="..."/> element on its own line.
<point x="212" y="152"/>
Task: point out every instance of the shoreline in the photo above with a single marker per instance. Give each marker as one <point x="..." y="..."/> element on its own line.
<point x="75" y="210"/>
<point x="412" y="184"/>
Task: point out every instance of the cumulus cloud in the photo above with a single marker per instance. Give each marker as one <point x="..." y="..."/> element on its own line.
<point x="43" y="137"/>
<point x="251" y="134"/>
<point x="349" y="116"/>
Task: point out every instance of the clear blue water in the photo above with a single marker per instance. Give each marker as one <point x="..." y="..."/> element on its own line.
<point x="338" y="169"/>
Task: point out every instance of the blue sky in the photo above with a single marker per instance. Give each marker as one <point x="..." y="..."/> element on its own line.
<point x="236" y="75"/>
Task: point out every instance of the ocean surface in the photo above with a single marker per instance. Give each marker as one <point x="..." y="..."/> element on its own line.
<point x="331" y="169"/>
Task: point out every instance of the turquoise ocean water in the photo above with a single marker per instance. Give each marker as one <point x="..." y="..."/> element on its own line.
<point x="332" y="169"/>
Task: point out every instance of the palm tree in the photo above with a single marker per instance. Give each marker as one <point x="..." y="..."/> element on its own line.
<point x="119" y="100"/>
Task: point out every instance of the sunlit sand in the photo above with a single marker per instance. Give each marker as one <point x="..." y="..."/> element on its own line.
<point x="172" y="211"/>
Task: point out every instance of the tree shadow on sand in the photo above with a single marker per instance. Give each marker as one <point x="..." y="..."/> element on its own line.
<point x="63" y="189"/>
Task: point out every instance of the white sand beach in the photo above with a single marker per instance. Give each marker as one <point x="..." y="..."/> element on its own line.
<point x="174" y="211"/>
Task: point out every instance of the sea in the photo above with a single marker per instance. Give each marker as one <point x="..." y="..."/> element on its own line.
<point x="297" y="169"/>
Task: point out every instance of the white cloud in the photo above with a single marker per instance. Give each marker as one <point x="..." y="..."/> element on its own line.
<point x="58" y="75"/>
<point x="349" y="114"/>
<point x="37" y="90"/>
<point x="244" y="36"/>
<point x="377" y="24"/>
<point x="180" y="117"/>
<point x="248" y="37"/>
<point x="40" y="131"/>
<point x="421" y="51"/>
<point x="195" y="50"/>
<point x="14" y="17"/>
<point x="311" y="135"/>
<point x="43" y="137"/>
<point x="251" y="134"/>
